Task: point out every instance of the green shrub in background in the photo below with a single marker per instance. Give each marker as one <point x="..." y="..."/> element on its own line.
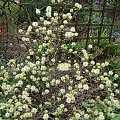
<point x="57" y="80"/>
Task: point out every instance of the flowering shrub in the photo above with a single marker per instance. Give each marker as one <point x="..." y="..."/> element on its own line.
<point x="57" y="80"/>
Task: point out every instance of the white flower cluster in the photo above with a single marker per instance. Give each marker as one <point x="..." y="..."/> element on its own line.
<point x="78" y="6"/>
<point x="48" y="11"/>
<point x="64" y="66"/>
<point x="56" y="80"/>
<point x="37" y="11"/>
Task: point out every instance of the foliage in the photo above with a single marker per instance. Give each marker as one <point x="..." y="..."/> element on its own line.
<point x="57" y="80"/>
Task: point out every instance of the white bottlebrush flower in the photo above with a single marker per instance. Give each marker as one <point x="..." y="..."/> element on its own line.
<point x="68" y="100"/>
<point x="29" y="28"/>
<point x="49" y="32"/>
<point x="85" y="64"/>
<point x="92" y="62"/>
<point x="64" y="66"/>
<point x="20" y="83"/>
<point x="78" y="6"/>
<point x="68" y="34"/>
<point x="69" y="16"/>
<point x="96" y="71"/>
<point x="37" y="11"/>
<point x="55" y="14"/>
<point x="71" y="10"/>
<point x="105" y="74"/>
<point x="72" y="29"/>
<point x="90" y="46"/>
<point x="60" y="1"/>
<point x="52" y="1"/>
<point x="62" y="91"/>
<point x="35" y="24"/>
<point x="34" y="110"/>
<point x="102" y="64"/>
<point x="47" y="91"/>
<point x="84" y="51"/>
<point x="65" y="22"/>
<point x="7" y="115"/>
<point x="61" y="26"/>
<point x="80" y="86"/>
<point x="76" y="34"/>
<point x="116" y="103"/>
<point x="20" y="31"/>
<point x="77" y="116"/>
<point x="86" y="116"/>
<point x="48" y="14"/>
<point x="101" y="117"/>
<point x="85" y="87"/>
<point x="108" y="83"/>
<point x="101" y="86"/>
<point x="48" y="9"/>
<point x="64" y="16"/>
<point x="110" y="72"/>
<point x="62" y="106"/>
<point x="47" y="22"/>
<point x="106" y="63"/>
<point x="45" y="116"/>
<point x="116" y="75"/>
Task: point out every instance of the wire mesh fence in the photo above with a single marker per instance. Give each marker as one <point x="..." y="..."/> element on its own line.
<point x="97" y="20"/>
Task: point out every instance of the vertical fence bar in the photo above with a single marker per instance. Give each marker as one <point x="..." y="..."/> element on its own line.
<point x="114" y="14"/>
<point x="89" y="22"/>
<point x="102" y="20"/>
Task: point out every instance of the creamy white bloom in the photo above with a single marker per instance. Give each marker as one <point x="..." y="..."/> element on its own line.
<point x="110" y="72"/>
<point x="85" y="87"/>
<point x="61" y="26"/>
<point x="90" y="46"/>
<point x="34" y="110"/>
<point x="48" y="14"/>
<point x="78" y="6"/>
<point x="62" y="91"/>
<point x="76" y="34"/>
<point x="37" y="11"/>
<point x="77" y="116"/>
<point x="106" y="63"/>
<point x="92" y="62"/>
<point x="48" y="9"/>
<point x="80" y="86"/>
<point x="85" y="64"/>
<point x="116" y="75"/>
<point x="20" y="83"/>
<point x="60" y="1"/>
<point x="52" y="1"/>
<point x="7" y="115"/>
<point x="45" y="116"/>
<point x="86" y="116"/>
<point x="20" y="31"/>
<point x="117" y="103"/>
<point x="71" y="10"/>
<point x="101" y="86"/>
<point x="96" y="71"/>
<point x="47" y="22"/>
<point x="65" y="22"/>
<point x="64" y="66"/>
<point x="72" y="29"/>
<point x="101" y="117"/>
<point x="108" y="83"/>
<point x="47" y="91"/>
<point x="55" y="14"/>
<point x="35" y="24"/>
<point x="69" y="34"/>
<point x="102" y="64"/>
